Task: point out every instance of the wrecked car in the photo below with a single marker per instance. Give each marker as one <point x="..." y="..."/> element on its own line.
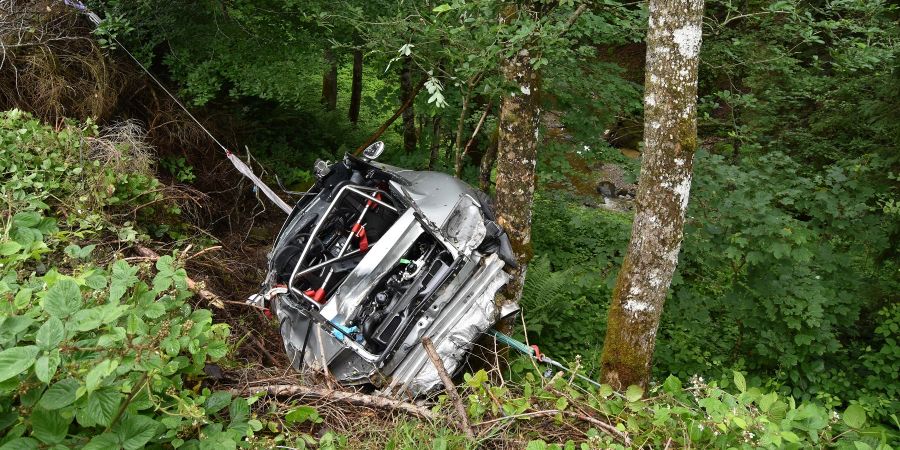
<point x="374" y="258"/>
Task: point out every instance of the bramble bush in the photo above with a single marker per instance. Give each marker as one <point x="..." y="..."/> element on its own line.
<point x="95" y="355"/>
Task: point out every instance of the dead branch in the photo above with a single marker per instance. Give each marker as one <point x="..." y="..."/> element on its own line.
<point x="351" y="398"/>
<point x="448" y="386"/>
<point x="477" y="128"/>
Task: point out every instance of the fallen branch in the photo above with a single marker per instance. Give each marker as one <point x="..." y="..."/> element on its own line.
<point x="351" y="398"/>
<point x="448" y="386"/>
<point x="212" y="298"/>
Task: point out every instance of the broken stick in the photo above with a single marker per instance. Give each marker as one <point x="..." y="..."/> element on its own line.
<point x="448" y="386"/>
<point x="352" y="398"/>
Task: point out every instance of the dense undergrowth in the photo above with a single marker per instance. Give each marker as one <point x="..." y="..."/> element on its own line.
<point x="104" y="351"/>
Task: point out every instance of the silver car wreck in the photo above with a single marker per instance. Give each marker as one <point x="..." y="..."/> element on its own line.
<point x="373" y="259"/>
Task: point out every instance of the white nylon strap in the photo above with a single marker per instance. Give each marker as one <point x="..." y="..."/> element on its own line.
<point x="248" y="172"/>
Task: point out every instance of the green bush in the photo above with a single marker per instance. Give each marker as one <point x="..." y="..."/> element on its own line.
<point x="94" y="356"/>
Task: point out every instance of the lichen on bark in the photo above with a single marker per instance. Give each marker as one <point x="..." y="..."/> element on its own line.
<point x="516" y="160"/>
<point x="670" y="139"/>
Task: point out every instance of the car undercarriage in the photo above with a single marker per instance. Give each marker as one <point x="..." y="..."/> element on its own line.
<point x="374" y="258"/>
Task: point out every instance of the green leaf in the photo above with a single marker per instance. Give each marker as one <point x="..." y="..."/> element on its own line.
<point x="63" y="298"/>
<point x="766" y="401"/>
<point x="740" y="382"/>
<point x="45" y="366"/>
<point x="61" y="394"/>
<point x="562" y="403"/>
<point x="154" y="310"/>
<point x="87" y="319"/>
<point x="96" y="375"/>
<point x="100" y="408"/>
<point x="26" y="219"/>
<point x="239" y="410"/>
<point x="49" y="426"/>
<point x="634" y="393"/>
<point x="104" y="441"/>
<point x="302" y="414"/>
<point x="441" y="8"/>
<point x="672" y="384"/>
<point x="50" y="334"/>
<point x="21" y="443"/>
<point x="122" y="278"/>
<point x="16" y="360"/>
<point x="10" y="248"/>
<point x="134" y="431"/>
<point x="790" y="436"/>
<point x="216" y="401"/>
<point x="855" y="416"/>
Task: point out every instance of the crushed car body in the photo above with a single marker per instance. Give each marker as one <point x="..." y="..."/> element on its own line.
<point x="374" y="258"/>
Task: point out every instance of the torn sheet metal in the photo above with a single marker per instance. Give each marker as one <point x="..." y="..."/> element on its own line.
<point x="375" y="258"/>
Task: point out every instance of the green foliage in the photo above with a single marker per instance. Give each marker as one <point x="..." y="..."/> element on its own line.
<point x="179" y="169"/>
<point x="91" y="356"/>
<point x="672" y="413"/>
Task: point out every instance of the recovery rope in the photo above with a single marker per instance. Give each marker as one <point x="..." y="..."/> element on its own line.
<point x="535" y="353"/>
<point x="244" y="169"/>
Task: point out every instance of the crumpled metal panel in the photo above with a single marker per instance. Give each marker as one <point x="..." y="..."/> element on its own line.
<point x="378" y="260"/>
<point x="453" y="332"/>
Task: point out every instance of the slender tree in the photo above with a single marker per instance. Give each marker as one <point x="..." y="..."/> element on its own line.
<point x="329" y="81"/>
<point x="435" y="142"/>
<point x="670" y="139"/>
<point x="356" y="86"/>
<point x="487" y="162"/>
<point x="409" y="114"/>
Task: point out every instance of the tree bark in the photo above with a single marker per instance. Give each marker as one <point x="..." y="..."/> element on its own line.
<point x="516" y="159"/>
<point x="329" y="81"/>
<point x="670" y="139"/>
<point x="409" y="114"/>
<point x="356" y="87"/>
<point x="435" y="142"/>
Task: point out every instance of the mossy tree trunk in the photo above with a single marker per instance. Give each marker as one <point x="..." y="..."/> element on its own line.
<point x="330" y="81"/>
<point x="409" y="114"/>
<point x="356" y="86"/>
<point x="516" y="158"/>
<point x="670" y="139"/>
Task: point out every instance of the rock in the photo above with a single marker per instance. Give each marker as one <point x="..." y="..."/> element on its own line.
<point x="607" y="189"/>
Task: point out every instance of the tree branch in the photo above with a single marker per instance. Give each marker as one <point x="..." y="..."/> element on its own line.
<point x="449" y="387"/>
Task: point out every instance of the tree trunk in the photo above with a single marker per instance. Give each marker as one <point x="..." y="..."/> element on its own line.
<point x="356" y="87"/>
<point x="329" y="81"/>
<point x="409" y="114"/>
<point x="487" y="163"/>
<point x="461" y="124"/>
<point x="516" y="158"/>
<point x="670" y="138"/>
<point x="435" y="142"/>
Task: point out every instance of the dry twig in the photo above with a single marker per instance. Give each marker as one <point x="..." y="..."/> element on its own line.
<point x="448" y="386"/>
